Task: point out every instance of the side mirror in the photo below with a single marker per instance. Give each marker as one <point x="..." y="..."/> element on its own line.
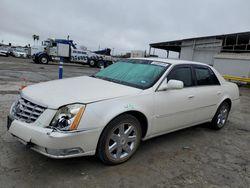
<point x="172" y="84"/>
<point x="175" y="84"/>
<point x="163" y="85"/>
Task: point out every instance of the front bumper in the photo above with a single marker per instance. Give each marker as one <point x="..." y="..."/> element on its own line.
<point x="56" y="144"/>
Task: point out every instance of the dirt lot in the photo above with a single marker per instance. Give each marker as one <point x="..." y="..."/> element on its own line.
<point x="194" y="157"/>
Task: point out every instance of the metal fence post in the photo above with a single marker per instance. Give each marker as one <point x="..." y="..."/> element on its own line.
<point x="61" y="68"/>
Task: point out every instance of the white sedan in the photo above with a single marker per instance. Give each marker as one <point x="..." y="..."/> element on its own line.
<point x="109" y="113"/>
<point x="4" y="52"/>
<point x="19" y="53"/>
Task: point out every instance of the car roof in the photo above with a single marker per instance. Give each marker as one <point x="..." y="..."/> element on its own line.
<point x="171" y="61"/>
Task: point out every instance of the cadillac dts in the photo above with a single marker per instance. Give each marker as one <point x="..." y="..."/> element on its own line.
<point x="109" y="113"/>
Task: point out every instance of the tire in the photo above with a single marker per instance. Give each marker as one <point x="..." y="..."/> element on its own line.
<point x="92" y="63"/>
<point x="220" y="118"/>
<point x="34" y="59"/>
<point x="108" y="63"/>
<point x="124" y="134"/>
<point x="99" y="64"/>
<point x="43" y="59"/>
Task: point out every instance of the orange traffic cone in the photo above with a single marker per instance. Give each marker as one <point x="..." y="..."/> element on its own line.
<point x="23" y="84"/>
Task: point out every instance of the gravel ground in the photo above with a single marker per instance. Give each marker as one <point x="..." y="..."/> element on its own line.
<point x="194" y="157"/>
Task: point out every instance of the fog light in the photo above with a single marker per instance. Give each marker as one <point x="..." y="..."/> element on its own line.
<point x="64" y="152"/>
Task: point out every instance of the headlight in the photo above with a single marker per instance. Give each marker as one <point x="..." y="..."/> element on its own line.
<point x="68" y="117"/>
<point x="12" y="109"/>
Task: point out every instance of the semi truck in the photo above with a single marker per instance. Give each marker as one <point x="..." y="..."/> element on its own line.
<point x="66" y="49"/>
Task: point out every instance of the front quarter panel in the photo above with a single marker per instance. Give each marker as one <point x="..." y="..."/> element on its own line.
<point x="99" y="114"/>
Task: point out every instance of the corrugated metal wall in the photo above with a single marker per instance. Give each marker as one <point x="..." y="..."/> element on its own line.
<point x="201" y="50"/>
<point x="233" y="67"/>
<point x="208" y="51"/>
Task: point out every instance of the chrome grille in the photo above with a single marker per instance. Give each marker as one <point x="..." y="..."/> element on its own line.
<point x="26" y="111"/>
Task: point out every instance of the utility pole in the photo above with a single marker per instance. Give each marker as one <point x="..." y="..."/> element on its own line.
<point x="37" y="39"/>
<point x="34" y="38"/>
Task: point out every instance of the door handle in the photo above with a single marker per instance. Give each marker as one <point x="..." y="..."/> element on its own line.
<point x="191" y="96"/>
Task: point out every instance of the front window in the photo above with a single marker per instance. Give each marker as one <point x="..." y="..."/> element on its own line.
<point x="136" y="73"/>
<point x="183" y="74"/>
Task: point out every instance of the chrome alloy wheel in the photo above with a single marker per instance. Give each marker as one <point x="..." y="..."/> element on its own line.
<point x="222" y="116"/>
<point x="122" y="141"/>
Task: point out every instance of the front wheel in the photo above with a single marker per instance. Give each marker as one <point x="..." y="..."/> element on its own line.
<point x="220" y="118"/>
<point x="43" y="59"/>
<point x="119" y="140"/>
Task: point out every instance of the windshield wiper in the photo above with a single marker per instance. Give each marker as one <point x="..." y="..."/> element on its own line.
<point x="118" y="81"/>
<point x="110" y="79"/>
<point x="104" y="78"/>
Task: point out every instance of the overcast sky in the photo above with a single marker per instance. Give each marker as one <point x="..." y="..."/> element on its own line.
<point x="122" y="25"/>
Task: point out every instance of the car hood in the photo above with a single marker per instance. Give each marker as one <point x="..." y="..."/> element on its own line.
<point x="20" y="53"/>
<point x="54" y="94"/>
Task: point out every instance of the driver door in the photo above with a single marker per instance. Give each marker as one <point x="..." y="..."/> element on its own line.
<point x="173" y="107"/>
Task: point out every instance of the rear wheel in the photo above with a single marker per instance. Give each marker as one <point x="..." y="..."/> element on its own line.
<point x="100" y="64"/>
<point x="119" y="140"/>
<point x="108" y="63"/>
<point x="35" y="60"/>
<point x="220" y="118"/>
<point x="92" y="63"/>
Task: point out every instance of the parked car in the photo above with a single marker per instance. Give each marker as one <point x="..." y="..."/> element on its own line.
<point x="19" y="53"/>
<point x="4" y="52"/>
<point x="109" y="113"/>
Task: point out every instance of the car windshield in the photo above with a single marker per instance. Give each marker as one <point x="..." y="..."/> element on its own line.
<point x="141" y="74"/>
<point x="19" y="50"/>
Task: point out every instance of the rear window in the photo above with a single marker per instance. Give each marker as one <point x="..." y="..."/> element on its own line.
<point x="205" y="76"/>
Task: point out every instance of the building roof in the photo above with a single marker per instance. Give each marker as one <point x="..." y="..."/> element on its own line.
<point x="176" y="45"/>
<point x="171" y="61"/>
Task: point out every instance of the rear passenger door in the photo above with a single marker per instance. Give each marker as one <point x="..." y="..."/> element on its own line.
<point x="207" y="93"/>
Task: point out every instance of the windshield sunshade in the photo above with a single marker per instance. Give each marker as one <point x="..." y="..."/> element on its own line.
<point x="136" y="73"/>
